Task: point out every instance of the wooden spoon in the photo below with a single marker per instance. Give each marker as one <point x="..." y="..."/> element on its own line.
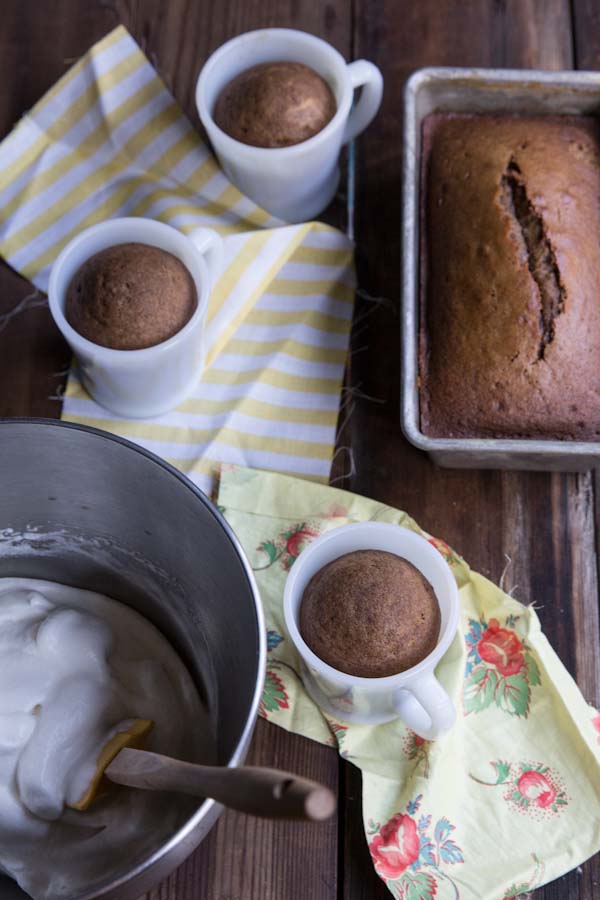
<point x="258" y="791"/>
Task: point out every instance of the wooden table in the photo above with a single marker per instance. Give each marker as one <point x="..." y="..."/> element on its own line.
<point x="544" y="526"/>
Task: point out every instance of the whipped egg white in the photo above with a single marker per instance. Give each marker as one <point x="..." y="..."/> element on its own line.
<point x="75" y="666"/>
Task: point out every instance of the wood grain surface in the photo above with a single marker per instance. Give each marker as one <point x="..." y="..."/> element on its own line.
<point x="541" y="530"/>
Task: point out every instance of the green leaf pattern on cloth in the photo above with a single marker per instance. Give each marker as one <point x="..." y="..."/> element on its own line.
<point x="515" y="782"/>
<point x="274" y="695"/>
<point x="537" y="878"/>
<point x="338" y="733"/>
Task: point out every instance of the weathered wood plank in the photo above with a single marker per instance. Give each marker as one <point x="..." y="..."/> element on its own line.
<point x="586" y="34"/>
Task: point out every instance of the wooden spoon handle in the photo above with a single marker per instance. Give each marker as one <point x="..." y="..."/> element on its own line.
<point x="258" y="791"/>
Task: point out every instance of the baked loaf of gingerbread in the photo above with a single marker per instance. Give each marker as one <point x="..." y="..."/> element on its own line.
<point x="510" y="337"/>
<point x="370" y="613"/>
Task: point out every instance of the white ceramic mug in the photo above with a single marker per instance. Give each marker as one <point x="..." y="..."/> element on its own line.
<point x="293" y="183"/>
<point x="148" y="382"/>
<point x="414" y="695"/>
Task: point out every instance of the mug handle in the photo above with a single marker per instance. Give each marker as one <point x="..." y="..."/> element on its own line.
<point x="426" y="708"/>
<point x="363" y="74"/>
<point x="208" y="243"/>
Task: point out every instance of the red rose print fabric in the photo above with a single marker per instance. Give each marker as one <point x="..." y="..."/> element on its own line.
<point x="413" y="858"/>
<point x="500" y="669"/>
<point x="502" y="649"/>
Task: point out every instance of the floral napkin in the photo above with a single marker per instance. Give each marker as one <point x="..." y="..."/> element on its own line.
<point x="510" y="798"/>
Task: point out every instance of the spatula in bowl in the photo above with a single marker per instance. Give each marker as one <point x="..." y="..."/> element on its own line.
<point x="250" y="789"/>
<point x="258" y="791"/>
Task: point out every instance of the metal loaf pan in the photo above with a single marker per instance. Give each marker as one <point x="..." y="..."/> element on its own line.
<point x="478" y="91"/>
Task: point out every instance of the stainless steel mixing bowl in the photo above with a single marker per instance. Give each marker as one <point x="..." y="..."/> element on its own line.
<point x="85" y="508"/>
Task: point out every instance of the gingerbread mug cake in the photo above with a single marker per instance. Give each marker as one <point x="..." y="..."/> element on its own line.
<point x="372" y="608"/>
<point x="277" y="105"/>
<point x="130" y="296"/>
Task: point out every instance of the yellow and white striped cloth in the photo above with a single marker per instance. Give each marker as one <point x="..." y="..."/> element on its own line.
<point x="110" y="140"/>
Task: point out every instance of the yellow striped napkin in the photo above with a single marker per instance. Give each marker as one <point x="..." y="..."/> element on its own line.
<point x="110" y="140"/>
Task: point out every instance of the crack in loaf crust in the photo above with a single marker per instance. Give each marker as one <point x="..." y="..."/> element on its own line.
<point x="510" y="277"/>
